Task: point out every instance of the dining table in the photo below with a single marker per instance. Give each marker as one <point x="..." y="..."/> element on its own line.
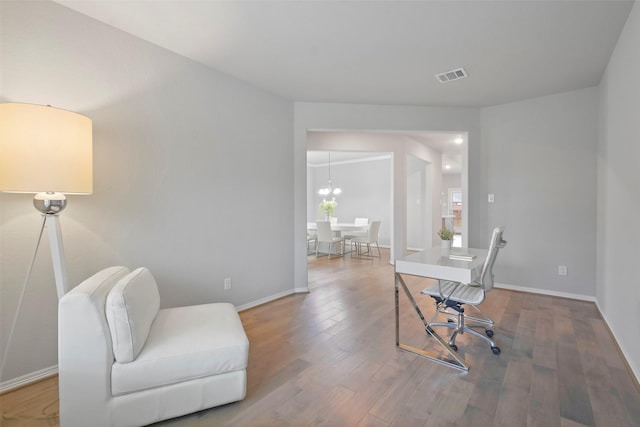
<point x="339" y="227"/>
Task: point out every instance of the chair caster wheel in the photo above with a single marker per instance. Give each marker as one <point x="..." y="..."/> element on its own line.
<point x="495" y="350"/>
<point x="489" y="333"/>
<point x="454" y="347"/>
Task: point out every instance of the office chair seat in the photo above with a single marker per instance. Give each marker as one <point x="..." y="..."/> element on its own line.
<point x="464" y="294"/>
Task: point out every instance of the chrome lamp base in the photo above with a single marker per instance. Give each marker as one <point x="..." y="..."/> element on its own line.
<point x="50" y="203"/>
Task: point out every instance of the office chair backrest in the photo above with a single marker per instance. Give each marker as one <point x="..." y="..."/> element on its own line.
<point x="486" y="276"/>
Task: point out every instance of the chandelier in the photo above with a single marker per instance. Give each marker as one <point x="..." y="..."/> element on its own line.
<point x="329" y="188"/>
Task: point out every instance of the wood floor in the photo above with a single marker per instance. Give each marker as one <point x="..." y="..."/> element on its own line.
<point x="327" y="358"/>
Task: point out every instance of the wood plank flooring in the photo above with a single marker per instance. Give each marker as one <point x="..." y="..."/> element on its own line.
<point x="327" y="358"/>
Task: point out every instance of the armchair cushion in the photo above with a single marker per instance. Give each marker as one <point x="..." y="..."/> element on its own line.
<point x="185" y="343"/>
<point x="131" y="307"/>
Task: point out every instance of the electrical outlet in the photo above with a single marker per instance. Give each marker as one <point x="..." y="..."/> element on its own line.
<point x="227" y="284"/>
<point x="491" y="198"/>
<point x="562" y="270"/>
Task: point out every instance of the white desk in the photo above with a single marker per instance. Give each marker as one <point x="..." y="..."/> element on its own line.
<point x="435" y="264"/>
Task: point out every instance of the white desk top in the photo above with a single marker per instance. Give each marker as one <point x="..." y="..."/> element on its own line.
<point x="434" y="263"/>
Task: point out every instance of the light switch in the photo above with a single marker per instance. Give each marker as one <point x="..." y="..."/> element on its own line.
<point x="491" y="198"/>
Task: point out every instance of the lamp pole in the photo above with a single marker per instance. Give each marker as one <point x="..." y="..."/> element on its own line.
<point x="57" y="253"/>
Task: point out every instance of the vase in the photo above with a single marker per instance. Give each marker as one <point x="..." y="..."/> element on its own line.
<point x="327" y="216"/>
<point x="445" y="244"/>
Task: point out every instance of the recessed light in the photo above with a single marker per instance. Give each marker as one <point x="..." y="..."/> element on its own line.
<point x="447" y="166"/>
<point x="458" y="140"/>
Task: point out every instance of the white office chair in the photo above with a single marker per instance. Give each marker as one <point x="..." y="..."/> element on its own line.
<point x="453" y="295"/>
<point x="368" y="239"/>
<point x="325" y="235"/>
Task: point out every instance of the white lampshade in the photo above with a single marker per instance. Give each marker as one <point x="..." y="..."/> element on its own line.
<point x="44" y="149"/>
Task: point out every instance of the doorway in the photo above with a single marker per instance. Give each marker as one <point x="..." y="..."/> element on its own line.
<point x="454" y="203"/>
<point x="365" y="178"/>
<point x="419" y="206"/>
<point x="430" y="147"/>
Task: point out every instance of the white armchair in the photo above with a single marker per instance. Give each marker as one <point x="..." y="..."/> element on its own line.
<point x="124" y="362"/>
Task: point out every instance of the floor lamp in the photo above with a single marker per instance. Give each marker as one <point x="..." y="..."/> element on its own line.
<point x="46" y="151"/>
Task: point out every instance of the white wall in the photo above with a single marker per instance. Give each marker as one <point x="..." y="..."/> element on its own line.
<point x="539" y="159"/>
<point x="366" y="187"/>
<point x="618" y="288"/>
<point x="415" y="150"/>
<point x="193" y="173"/>
<point x="420" y="209"/>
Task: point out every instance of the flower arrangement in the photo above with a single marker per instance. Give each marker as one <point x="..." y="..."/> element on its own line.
<point x="445" y="234"/>
<point x="328" y="206"/>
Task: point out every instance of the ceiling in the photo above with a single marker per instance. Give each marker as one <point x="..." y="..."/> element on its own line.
<point x="384" y="52"/>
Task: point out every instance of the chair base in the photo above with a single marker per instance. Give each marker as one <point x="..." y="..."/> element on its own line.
<point x="459" y="327"/>
<point x="339" y="254"/>
<point x="364" y="255"/>
<point x="485" y="320"/>
<point x="462" y="330"/>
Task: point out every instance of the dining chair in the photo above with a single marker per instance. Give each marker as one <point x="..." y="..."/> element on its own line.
<point x="311" y="238"/>
<point x="361" y="221"/>
<point x="454" y="295"/>
<point x="369" y="238"/>
<point x="334" y="220"/>
<point x="353" y="234"/>
<point x="324" y="234"/>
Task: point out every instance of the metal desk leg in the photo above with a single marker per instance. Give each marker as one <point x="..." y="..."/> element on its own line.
<point x="454" y="362"/>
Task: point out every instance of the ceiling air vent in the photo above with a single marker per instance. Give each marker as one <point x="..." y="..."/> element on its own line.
<point x="449" y="76"/>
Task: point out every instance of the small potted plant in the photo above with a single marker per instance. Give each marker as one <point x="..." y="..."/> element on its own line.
<point x="446" y="237"/>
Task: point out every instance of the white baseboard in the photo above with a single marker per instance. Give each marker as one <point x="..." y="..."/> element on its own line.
<point x="269" y="298"/>
<point x="632" y="368"/>
<point x="545" y="292"/>
<point x="28" y="378"/>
